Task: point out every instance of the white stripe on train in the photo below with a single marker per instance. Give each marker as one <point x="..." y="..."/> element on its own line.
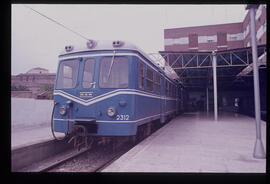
<point x="107" y="95"/>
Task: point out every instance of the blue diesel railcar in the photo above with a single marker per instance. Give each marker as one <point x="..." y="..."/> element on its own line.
<point x="109" y="89"/>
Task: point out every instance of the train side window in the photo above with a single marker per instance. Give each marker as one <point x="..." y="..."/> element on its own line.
<point x="67" y="76"/>
<point x="170" y="90"/>
<point x="167" y="88"/>
<point x="141" y="75"/>
<point x="149" y="79"/>
<point x="157" y="83"/>
<point x="88" y="73"/>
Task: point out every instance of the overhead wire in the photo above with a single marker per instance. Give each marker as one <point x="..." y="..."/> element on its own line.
<point x="78" y="34"/>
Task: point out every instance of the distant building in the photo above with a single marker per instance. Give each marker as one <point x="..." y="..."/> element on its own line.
<point x="38" y="70"/>
<point x="216" y="37"/>
<point x="33" y="80"/>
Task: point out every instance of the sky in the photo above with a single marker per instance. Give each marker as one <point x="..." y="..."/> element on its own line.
<point x="37" y="41"/>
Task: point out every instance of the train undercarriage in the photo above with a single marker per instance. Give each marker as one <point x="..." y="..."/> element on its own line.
<point x="79" y="136"/>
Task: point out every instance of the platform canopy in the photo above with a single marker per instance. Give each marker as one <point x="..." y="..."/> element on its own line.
<point x="195" y="68"/>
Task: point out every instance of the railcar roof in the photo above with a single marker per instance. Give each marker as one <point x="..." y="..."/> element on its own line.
<point x="108" y="45"/>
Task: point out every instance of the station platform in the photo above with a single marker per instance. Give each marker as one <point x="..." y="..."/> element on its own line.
<point x="194" y="142"/>
<point x="32" y="135"/>
<point x="30" y="122"/>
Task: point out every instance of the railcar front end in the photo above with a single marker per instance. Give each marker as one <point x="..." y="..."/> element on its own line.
<point x="94" y="90"/>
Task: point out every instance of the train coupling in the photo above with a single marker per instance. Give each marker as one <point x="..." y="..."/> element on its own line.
<point x="79" y="135"/>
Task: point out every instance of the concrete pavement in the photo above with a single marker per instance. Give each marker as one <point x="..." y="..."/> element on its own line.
<point x="196" y="143"/>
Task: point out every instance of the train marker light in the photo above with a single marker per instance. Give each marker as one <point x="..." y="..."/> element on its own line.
<point x="91" y="44"/>
<point x="68" y="48"/>
<point x="111" y="111"/>
<point x="117" y="43"/>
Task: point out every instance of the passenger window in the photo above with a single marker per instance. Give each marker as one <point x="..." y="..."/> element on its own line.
<point x="149" y="79"/>
<point x="157" y="83"/>
<point x="167" y="88"/>
<point x="170" y="89"/>
<point x="141" y="75"/>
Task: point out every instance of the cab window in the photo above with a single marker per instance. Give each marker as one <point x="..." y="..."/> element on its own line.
<point x="113" y="72"/>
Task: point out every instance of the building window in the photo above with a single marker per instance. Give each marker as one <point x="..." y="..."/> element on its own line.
<point x="264" y="26"/>
<point x="233" y="38"/>
<point x="246" y="31"/>
<point x="221" y="38"/>
<point x="141" y="75"/>
<point x="258" y="12"/>
<point x="212" y="38"/>
<point x="193" y="40"/>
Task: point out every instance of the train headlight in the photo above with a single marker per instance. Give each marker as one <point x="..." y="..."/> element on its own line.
<point x="111" y="111"/>
<point x="62" y="110"/>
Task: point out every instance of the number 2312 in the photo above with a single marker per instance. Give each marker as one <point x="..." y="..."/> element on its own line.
<point x="122" y="117"/>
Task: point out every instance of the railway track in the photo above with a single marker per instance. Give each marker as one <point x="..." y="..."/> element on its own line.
<point x="54" y="161"/>
<point x="97" y="159"/>
<point x="93" y="159"/>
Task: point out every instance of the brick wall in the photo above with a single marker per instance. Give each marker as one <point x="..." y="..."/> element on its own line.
<point x="22" y="94"/>
<point x="33" y="81"/>
<point x="216" y="37"/>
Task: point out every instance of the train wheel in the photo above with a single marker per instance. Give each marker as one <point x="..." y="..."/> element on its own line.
<point x="114" y="143"/>
<point x="148" y="129"/>
<point x="132" y="139"/>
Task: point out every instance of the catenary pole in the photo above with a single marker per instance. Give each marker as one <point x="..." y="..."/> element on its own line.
<point x="258" y="148"/>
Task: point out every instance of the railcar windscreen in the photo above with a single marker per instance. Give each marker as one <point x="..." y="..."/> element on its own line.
<point x="67" y="74"/>
<point x="118" y="76"/>
<point x="88" y="73"/>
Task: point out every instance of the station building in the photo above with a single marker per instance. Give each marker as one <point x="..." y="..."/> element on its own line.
<point x="188" y="51"/>
<point x="216" y="37"/>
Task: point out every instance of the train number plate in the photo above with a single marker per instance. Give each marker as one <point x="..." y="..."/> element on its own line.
<point x="122" y="117"/>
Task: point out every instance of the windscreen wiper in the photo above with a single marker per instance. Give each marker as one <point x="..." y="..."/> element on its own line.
<point x="111" y="66"/>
